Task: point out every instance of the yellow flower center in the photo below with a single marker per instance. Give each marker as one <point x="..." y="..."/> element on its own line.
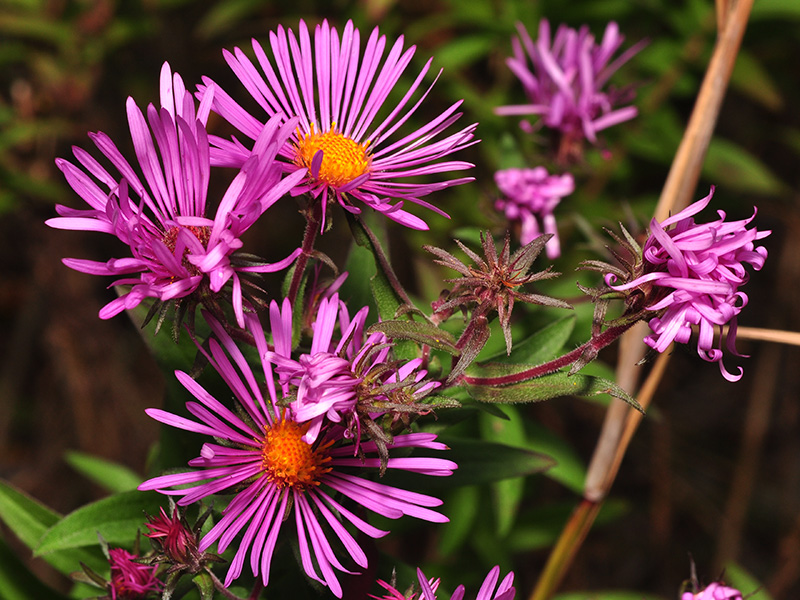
<point x="288" y="460"/>
<point x="343" y="159"/>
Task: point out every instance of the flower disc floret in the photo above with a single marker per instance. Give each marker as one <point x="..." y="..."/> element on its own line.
<point x="341" y="159"/>
<point x="288" y="460"/>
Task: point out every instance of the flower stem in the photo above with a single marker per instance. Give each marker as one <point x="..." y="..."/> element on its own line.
<point x="313" y="222"/>
<point x="221" y="588"/>
<point x="587" y="350"/>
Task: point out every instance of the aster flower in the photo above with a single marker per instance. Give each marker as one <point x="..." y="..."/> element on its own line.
<point x="715" y="591"/>
<point x="489" y="590"/>
<point x="564" y="80"/>
<point x="491" y="284"/>
<point x="259" y="455"/>
<point x="130" y="580"/>
<point x="177" y="246"/>
<point x="337" y="92"/>
<point x="349" y="381"/>
<point x="529" y="197"/>
<point x="691" y="276"/>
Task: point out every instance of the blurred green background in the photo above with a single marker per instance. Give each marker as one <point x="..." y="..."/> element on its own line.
<point x="715" y="468"/>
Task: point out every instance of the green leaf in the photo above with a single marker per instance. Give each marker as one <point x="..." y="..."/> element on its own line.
<point x="546" y="387"/>
<point x="420" y="332"/>
<point x="17" y="582"/>
<point x="751" y="588"/>
<point x="117" y="518"/>
<point x="205" y="585"/>
<point x="29" y="520"/>
<point x="506" y="494"/>
<point x="462" y="509"/>
<point x="110" y="475"/>
<point x="735" y="168"/>
<point x="752" y="79"/>
<point x="569" y="469"/>
<point x="481" y="462"/>
<point x="775" y="9"/>
<point x="543" y="345"/>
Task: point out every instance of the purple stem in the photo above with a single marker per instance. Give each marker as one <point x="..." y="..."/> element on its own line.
<point x="588" y="350"/>
<point x="313" y="222"/>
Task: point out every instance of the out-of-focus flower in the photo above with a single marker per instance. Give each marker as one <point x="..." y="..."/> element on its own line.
<point x="130" y="580"/>
<point x="177" y="244"/>
<point x="350" y="153"/>
<point x="529" y="197"/>
<point x="715" y="591"/>
<point x="263" y="459"/>
<point x="564" y="80"/>
<point x="489" y="590"/>
<point x="349" y="381"/>
<point x="691" y="276"/>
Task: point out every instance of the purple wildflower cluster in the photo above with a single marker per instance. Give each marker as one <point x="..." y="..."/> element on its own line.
<point x="696" y="270"/>
<point x="564" y="79"/>
<point x="267" y="457"/>
<point x="715" y="591"/>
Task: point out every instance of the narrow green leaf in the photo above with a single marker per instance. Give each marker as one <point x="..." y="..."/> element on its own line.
<point x="117" y="518"/>
<point x="462" y="509"/>
<point x="734" y="167"/>
<point x="418" y="331"/>
<point x="110" y="475"/>
<point x="205" y="585"/>
<point x="542" y="346"/>
<point x="29" y="520"/>
<point x="17" y="582"/>
<point x="751" y="588"/>
<point x="482" y="462"/>
<point x="550" y="386"/>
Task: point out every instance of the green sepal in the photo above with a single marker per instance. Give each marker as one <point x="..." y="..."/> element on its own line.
<point x="417" y="331"/>
<point x="116" y="518"/>
<point x="546" y="387"/>
<point x="30" y="519"/>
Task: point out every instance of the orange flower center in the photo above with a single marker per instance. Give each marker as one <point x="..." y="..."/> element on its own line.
<point x="343" y="159"/>
<point x="288" y="460"/>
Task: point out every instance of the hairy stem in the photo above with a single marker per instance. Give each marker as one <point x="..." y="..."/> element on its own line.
<point x="313" y="223"/>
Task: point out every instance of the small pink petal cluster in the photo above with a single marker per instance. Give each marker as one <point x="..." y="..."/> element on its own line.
<point x="264" y="459"/>
<point x="529" y="197"/>
<point x="715" y="591"/>
<point x="130" y="580"/>
<point x="564" y="79"/>
<point x="698" y="268"/>
<point x="489" y="590"/>
<point x="325" y="381"/>
<point x="337" y="93"/>
<point x="176" y="243"/>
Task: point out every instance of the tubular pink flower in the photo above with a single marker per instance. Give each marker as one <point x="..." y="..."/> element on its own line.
<point x="176" y="243"/>
<point x="337" y="93"/>
<point x="265" y="462"/>
<point x="489" y="590"/>
<point x="715" y="591"/>
<point x="328" y="380"/>
<point x="697" y="269"/>
<point x="529" y="197"/>
<point x="564" y="80"/>
<point x="130" y="580"/>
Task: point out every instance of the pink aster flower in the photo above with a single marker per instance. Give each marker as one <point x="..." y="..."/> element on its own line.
<point x="333" y="377"/>
<point x="489" y="590"/>
<point x="715" y="591"/>
<point x="177" y="243"/>
<point x="696" y="270"/>
<point x="564" y="80"/>
<point x="130" y="580"/>
<point x="529" y="197"/>
<point x="272" y="472"/>
<point x="337" y="92"/>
